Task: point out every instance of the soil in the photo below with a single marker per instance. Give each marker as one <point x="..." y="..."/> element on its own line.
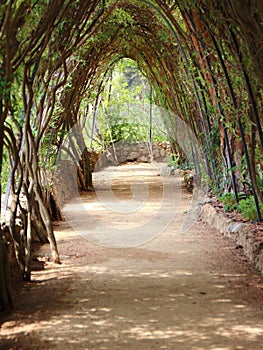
<point x="170" y="282"/>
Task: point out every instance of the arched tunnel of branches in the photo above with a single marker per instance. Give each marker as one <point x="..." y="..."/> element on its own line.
<point x="202" y="59"/>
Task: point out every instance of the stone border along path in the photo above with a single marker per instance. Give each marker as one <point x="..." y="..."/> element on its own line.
<point x="241" y="233"/>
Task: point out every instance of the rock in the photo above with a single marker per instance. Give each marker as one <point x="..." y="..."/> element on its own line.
<point x="189" y="181"/>
<point x="240" y="233"/>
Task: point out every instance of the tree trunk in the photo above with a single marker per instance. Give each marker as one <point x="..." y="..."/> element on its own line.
<point x="48" y="225"/>
<point x="87" y="173"/>
<point x="6" y="301"/>
<point x="17" y="239"/>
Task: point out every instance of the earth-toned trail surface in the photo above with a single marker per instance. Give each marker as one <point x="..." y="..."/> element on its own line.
<point x="180" y="290"/>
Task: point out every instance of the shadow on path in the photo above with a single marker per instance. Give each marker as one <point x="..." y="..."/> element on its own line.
<point x="191" y="290"/>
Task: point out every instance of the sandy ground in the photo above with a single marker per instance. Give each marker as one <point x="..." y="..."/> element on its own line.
<point x="136" y="278"/>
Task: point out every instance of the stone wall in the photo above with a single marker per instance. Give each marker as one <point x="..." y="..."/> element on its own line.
<point x="123" y="152"/>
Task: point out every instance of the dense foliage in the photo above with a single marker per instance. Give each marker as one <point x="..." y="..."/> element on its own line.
<point x="124" y="110"/>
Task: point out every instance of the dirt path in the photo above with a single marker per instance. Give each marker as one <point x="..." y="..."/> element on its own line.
<point x="181" y="290"/>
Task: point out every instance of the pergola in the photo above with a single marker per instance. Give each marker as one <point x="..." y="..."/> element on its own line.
<point x="203" y="60"/>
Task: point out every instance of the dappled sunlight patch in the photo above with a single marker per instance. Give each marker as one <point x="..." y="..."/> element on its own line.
<point x="251" y="331"/>
<point x="240" y="306"/>
<point x="247" y="332"/>
<point x="212" y="331"/>
<point x="145" y="332"/>
<point x="134" y="272"/>
<point x="221" y="286"/>
<point x="118" y="306"/>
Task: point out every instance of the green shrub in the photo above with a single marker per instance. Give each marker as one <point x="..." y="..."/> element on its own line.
<point x="5" y="171"/>
<point x="177" y="162"/>
<point x="124" y="131"/>
<point x="248" y="208"/>
<point x="229" y="201"/>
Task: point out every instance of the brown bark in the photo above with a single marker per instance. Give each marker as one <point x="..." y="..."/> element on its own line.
<point x="6" y="300"/>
